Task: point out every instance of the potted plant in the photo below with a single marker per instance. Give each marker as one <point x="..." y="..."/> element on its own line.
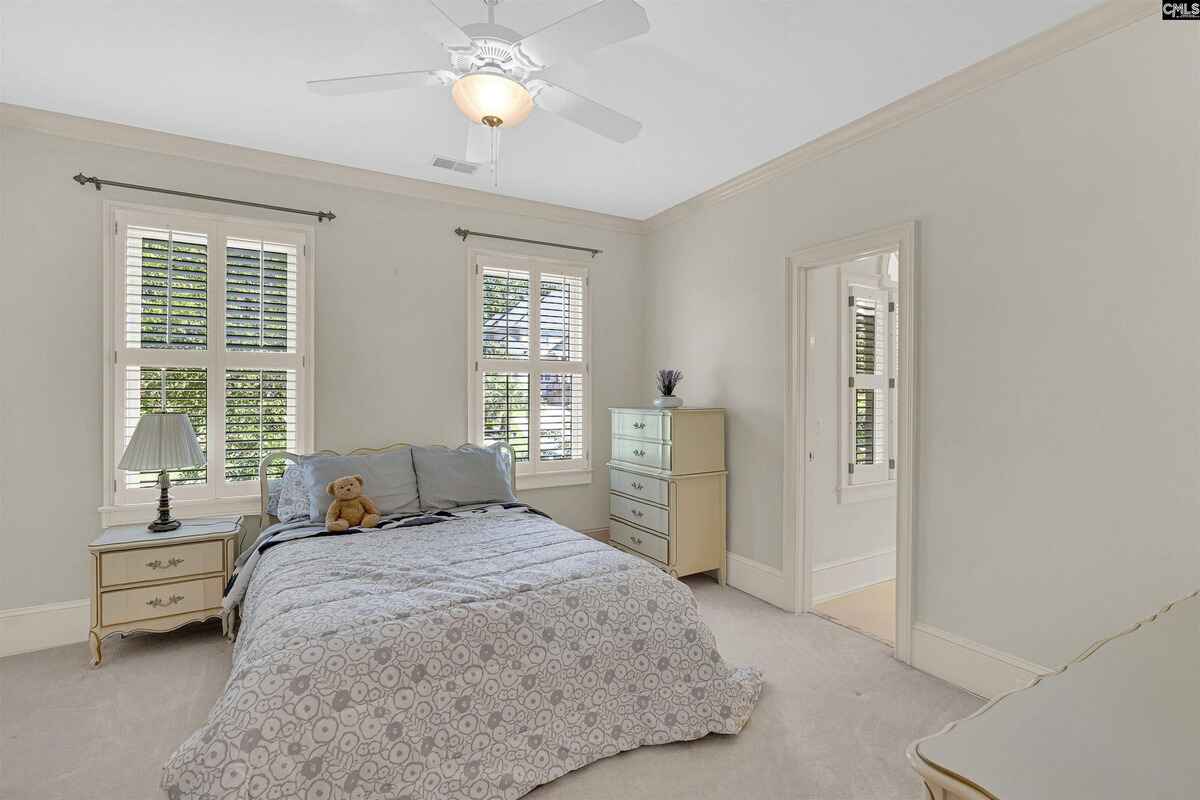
<point x="668" y="379"/>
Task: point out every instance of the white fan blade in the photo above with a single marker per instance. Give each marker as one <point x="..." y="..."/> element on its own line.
<point x="594" y="27"/>
<point x="444" y="29"/>
<point x="588" y="113"/>
<point x="381" y="82"/>
<point x="479" y="144"/>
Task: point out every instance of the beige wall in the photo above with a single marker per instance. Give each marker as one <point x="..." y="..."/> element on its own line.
<point x="390" y="314"/>
<point x="1059" y="253"/>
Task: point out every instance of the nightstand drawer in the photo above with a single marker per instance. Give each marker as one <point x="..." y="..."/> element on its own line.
<point x="130" y="605"/>
<point x="118" y="567"/>
<point x="644" y="542"/>
<point x="642" y="487"/>
<point x="639" y="513"/>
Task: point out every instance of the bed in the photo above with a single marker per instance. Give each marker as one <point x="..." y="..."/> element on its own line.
<point x="478" y="655"/>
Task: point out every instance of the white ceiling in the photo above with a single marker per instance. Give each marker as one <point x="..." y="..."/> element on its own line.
<point x="720" y="85"/>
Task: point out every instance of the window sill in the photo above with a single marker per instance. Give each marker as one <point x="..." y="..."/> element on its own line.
<point x="866" y="492"/>
<point x="181" y="509"/>
<point x="546" y="480"/>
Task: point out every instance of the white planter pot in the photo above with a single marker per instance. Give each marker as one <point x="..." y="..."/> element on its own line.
<point x="668" y="402"/>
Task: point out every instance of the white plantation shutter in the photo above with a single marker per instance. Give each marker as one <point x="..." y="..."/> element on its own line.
<point x="870" y="385"/>
<point x="177" y="279"/>
<point x="529" y="384"/>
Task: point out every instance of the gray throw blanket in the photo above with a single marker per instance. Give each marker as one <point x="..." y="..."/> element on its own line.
<point x="478" y="657"/>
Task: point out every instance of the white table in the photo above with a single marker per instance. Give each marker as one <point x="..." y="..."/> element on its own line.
<point x="1122" y="721"/>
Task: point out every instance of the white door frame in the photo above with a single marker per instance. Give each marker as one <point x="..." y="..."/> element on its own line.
<point x="796" y="553"/>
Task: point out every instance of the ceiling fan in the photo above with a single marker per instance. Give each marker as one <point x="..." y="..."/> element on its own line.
<point x="493" y="72"/>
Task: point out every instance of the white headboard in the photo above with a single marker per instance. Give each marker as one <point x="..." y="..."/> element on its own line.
<point x="277" y="456"/>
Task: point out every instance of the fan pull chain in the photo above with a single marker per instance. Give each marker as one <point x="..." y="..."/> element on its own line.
<point x="496" y="157"/>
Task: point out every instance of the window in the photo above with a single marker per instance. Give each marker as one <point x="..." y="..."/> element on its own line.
<point x="870" y="353"/>
<point x="529" y="365"/>
<point x="208" y="316"/>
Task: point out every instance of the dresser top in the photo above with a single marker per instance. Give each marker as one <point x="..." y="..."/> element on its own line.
<point x="190" y="529"/>
<point x="1119" y="721"/>
<point x="653" y="410"/>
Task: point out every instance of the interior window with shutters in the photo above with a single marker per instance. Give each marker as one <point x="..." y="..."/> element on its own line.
<point x="870" y="353"/>
<point x="209" y="318"/>
<point x="529" y="370"/>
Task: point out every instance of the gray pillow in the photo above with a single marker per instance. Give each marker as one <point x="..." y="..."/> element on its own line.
<point x="388" y="479"/>
<point x="293" y="497"/>
<point x="462" y="477"/>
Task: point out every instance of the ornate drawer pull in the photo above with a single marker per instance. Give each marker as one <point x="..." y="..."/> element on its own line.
<point x="636" y="513"/>
<point x="637" y="426"/>
<point x="637" y="486"/>
<point x="158" y="602"/>
<point x="635" y="540"/>
<point x="158" y="564"/>
<point x="639" y="453"/>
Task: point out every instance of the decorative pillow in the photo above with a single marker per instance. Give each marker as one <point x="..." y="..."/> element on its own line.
<point x="462" y="477"/>
<point x="293" y="497"/>
<point x="388" y="479"/>
<point x="273" y="487"/>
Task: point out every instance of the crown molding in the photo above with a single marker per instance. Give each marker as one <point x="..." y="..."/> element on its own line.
<point x="1063" y="38"/>
<point x="144" y="139"/>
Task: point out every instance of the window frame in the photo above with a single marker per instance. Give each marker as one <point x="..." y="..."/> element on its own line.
<point x="217" y="495"/>
<point x="878" y="281"/>
<point x="535" y="473"/>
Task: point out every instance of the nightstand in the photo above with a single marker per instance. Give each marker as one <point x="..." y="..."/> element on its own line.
<point x="157" y="582"/>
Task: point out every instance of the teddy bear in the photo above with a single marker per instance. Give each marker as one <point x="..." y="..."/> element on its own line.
<point x="350" y="507"/>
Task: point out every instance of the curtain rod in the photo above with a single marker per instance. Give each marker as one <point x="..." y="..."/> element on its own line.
<point x="84" y="180"/>
<point x="464" y="233"/>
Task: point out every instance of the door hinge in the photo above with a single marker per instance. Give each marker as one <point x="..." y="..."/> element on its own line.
<point x="114" y="486"/>
<point x="114" y="356"/>
<point x="851" y="301"/>
<point x="891" y="383"/>
<point x="891" y="463"/>
<point x="851" y="465"/>
<point x="851" y="381"/>
<point x="116" y="227"/>
<point x="892" y="306"/>
<point x="477" y="366"/>
<point x="306" y="251"/>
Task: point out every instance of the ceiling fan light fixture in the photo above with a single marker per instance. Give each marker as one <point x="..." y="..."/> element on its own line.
<point x="488" y="98"/>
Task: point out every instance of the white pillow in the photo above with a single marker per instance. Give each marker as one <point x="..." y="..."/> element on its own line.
<point x="293" y="496"/>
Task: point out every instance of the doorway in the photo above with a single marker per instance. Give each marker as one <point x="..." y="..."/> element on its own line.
<point x="851" y="419"/>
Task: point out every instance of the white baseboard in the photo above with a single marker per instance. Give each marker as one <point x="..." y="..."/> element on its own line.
<point x="761" y="580"/>
<point x="972" y="666"/>
<point x="23" y="630"/>
<point x="837" y="578"/>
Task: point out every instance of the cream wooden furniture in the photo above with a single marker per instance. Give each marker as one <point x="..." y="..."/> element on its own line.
<point x="1120" y="721"/>
<point x="667" y="487"/>
<point x="145" y="581"/>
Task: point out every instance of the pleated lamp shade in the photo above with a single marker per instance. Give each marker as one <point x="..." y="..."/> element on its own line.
<point x="162" y="441"/>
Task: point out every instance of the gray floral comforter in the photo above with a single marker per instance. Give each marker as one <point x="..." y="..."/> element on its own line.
<point x="476" y="658"/>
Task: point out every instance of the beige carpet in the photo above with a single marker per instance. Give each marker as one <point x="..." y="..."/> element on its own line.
<point x="871" y="610"/>
<point x="833" y="723"/>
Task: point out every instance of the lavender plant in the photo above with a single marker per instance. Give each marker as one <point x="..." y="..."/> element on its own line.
<point x="668" y="379"/>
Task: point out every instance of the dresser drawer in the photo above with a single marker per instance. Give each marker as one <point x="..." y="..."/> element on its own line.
<point x="119" y="567"/>
<point x="648" y="425"/>
<point x="641" y="541"/>
<point x="639" y="513"/>
<point x="648" y="454"/>
<point x="131" y="605"/>
<point x="641" y="486"/>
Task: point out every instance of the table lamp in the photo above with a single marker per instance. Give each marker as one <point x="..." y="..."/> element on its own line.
<point x="162" y="442"/>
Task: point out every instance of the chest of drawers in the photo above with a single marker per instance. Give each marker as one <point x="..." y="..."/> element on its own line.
<point x="667" y="487"/>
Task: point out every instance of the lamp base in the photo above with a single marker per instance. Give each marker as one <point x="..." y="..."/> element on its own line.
<point x="165" y="522"/>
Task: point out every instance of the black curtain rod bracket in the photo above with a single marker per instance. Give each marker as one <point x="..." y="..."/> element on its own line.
<point x="100" y="183"/>
<point x="464" y="233"/>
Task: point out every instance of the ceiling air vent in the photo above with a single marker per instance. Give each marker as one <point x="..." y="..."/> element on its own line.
<point x="454" y="165"/>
